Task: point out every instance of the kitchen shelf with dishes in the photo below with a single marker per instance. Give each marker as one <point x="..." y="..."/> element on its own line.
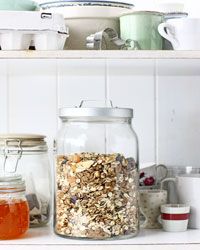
<point x="96" y="177"/>
<point x="103" y="54"/>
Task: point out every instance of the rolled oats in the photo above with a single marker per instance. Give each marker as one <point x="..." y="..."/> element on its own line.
<point x="97" y="196"/>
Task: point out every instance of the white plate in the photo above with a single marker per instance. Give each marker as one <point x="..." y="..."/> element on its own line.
<point x="90" y="12"/>
<point x="83" y="10"/>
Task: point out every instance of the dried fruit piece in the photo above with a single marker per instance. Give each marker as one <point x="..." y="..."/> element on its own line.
<point x="83" y="165"/>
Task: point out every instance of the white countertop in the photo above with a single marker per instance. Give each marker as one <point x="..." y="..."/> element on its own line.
<point x="43" y="238"/>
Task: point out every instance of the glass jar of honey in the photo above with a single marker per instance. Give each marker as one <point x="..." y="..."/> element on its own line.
<point x="14" y="209"/>
<point x="27" y="155"/>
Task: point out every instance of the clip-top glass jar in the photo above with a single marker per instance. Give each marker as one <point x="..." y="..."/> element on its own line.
<point x="27" y="155"/>
<point x="14" y="210"/>
<point x="96" y="174"/>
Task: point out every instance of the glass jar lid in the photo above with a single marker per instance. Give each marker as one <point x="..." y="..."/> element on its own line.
<point x="66" y="113"/>
<point x="95" y="111"/>
<point x="11" y="184"/>
<point x="27" y="142"/>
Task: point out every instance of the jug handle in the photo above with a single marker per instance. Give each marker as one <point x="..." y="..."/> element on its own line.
<point x="167" y="180"/>
<point x="170" y="37"/>
<point x="165" y="172"/>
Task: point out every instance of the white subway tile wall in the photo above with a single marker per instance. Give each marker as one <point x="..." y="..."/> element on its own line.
<point x="165" y="95"/>
<point x="131" y="84"/>
<point x="179" y="112"/>
<point x="3" y="97"/>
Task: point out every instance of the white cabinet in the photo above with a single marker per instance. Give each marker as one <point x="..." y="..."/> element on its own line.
<point x="163" y="87"/>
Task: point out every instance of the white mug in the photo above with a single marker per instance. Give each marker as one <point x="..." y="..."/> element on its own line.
<point x="183" y="33"/>
<point x="188" y="193"/>
<point x="174" y="217"/>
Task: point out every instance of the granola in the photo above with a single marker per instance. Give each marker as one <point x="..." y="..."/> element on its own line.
<point x="97" y="196"/>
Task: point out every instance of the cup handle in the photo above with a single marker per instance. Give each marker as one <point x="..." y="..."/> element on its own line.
<point x="160" y="220"/>
<point x="162" y="30"/>
<point x="167" y="180"/>
<point x="143" y="225"/>
<point x="165" y="172"/>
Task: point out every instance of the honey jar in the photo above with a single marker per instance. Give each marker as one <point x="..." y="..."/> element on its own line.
<point x="14" y="209"/>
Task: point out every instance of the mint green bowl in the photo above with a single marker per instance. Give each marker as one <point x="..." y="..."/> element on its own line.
<point x="20" y="5"/>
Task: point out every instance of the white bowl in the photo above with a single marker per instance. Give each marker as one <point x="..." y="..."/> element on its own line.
<point x="90" y="11"/>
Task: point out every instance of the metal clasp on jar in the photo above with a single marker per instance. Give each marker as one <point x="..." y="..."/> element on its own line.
<point x="8" y="152"/>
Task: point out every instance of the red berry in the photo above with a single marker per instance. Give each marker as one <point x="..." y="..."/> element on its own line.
<point x="149" y="181"/>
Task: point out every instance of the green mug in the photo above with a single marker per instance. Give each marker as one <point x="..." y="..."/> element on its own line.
<point x="140" y="29"/>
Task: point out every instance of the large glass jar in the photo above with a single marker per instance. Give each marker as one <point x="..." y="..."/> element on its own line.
<point x="96" y="194"/>
<point x="27" y="155"/>
<point x="14" y="210"/>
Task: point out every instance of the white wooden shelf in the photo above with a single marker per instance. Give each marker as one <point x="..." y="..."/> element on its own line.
<point x="44" y="238"/>
<point x="85" y="54"/>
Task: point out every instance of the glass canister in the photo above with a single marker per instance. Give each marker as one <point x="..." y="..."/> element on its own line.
<point x="96" y="194"/>
<point x="14" y="209"/>
<point x="27" y="155"/>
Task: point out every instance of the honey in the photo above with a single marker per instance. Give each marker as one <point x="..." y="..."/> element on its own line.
<point x="14" y="218"/>
<point x="14" y="209"/>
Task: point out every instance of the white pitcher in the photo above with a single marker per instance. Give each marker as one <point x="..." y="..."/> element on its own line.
<point x="188" y="193"/>
<point x="183" y="33"/>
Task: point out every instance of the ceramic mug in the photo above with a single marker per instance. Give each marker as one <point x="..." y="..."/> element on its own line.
<point x="183" y="33"/>
<point x="141" y="28"/>
<point x="188" y="193"/>
<point x="174" y="217"/>
<point x="150" y="203"/>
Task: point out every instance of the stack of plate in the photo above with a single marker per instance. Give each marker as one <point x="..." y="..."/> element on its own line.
<point x="86" y="17"/>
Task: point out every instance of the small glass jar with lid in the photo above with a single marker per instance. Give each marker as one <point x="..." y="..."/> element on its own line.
<point x="96" y="194"/>
<point x="27" y="155"/>
<point x="14" y="209"/>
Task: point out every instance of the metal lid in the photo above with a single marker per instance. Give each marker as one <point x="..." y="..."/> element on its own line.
<point x="95" y="111"/>
<point x="11" y="183"/>
<point x="25" y="140"/>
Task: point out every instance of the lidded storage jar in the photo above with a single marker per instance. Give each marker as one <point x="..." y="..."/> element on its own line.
<point x="14" y="210"/>
<point x="96" y="174"/>
<point x="27" y="155"/>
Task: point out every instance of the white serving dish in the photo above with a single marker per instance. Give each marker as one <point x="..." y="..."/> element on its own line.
<point x="19" y="30"/>
<point x="84" y="19"/>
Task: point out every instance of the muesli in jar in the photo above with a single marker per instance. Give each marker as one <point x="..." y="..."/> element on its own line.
<point x="96" y="196"/>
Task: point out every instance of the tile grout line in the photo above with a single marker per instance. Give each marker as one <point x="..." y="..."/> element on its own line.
<point x="106" y="90"/>
<point x="8" y="96"/>
<point x="57" y="90"/>
<point x="156" y="125"/>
